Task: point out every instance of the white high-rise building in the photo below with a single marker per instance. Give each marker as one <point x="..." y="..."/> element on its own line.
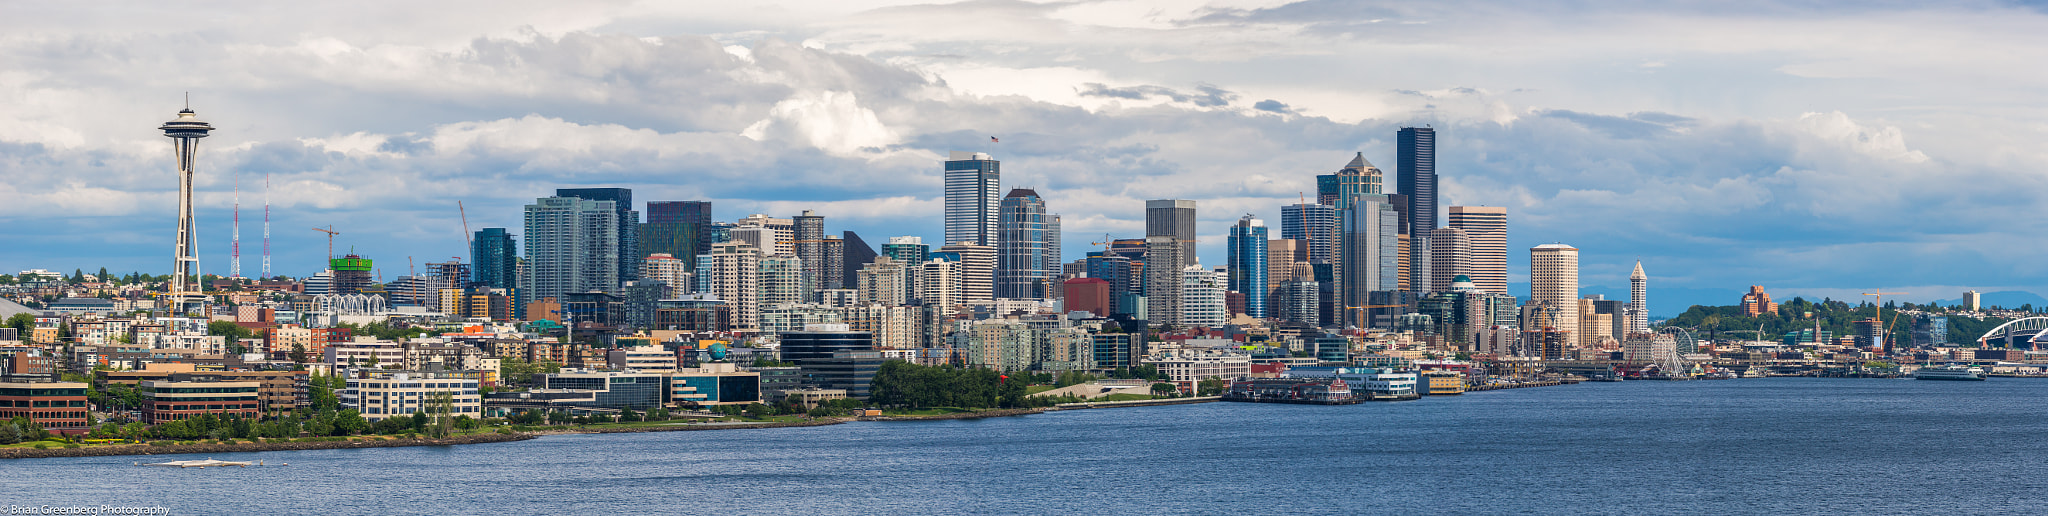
<point x="782" y="280"/>
<point x="668" y="270"/>
<point x="1638" y="301"/>
<point x="1486" y="227"/>
<point x="884" y="281"/>
<point x="1201" y="297"/>
<point x="977" y="271"/>
<point x="1554" y="288"/>
<point x="572" y="245"/>
<point x="781" y="236"/>
<point x="972" y="180"/>
<point x="938" y="284"/>
<point x="1450" y="254"/>
<point x="731" y="271"/>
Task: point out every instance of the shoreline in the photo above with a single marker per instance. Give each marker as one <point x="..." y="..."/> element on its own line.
<point x="245" y="447"/>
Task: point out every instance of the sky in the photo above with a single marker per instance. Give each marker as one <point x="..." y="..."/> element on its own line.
<point x="1816" y="148"/>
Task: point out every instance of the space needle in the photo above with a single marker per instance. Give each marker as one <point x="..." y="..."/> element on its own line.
<point x="185" y="133"/>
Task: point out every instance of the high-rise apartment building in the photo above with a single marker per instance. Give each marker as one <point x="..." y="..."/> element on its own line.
<point x="670" y="272"/>
<point x="977" y="270"/>
<point x="1247" y="262"/>
<point x="810" y="246"/>
<point x="886" y="282"/>
<point x="1201" y="298"/>
<point x="938" y="283"/>
<point x="1163" y="278"/>
<point x="782" y="233"/>
<point x="781" y="280"/>
<point x="731" y="272"/>
<point x="1172" y="218"/>
<point x="972" y="181"/>
<point x="1638" y="300"/>
<point x="497" y="259"/>
<point x="1028" y="254"/>
<point x="572" y="246"/>
<point x="1315" y="225"/>
<point x="1486" y="227"/>
<point x="626" y="226"/>
<point x="1554" y="288"/>
<point x="1450" y="258"/>
<point x="907" y="249"/>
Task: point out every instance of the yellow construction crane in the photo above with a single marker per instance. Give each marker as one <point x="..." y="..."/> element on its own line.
<point x="1886" y="333"/>
<point x="330" y="239"/>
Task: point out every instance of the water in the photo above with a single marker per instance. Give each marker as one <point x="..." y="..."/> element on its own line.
<point x="1790" y="445"/>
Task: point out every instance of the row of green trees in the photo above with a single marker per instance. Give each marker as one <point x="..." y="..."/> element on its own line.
<point x="21" y="429"/>
<point x="1835" y="317"/>
<point x="902" y="384"/>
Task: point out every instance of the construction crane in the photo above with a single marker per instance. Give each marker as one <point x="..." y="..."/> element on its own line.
<point x="1885" y="333"/>
<point x="465" y="228"/>
<point x="330" y="239"/>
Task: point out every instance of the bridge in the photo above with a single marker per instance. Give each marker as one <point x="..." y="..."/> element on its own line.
<point x="2026" y="330"/>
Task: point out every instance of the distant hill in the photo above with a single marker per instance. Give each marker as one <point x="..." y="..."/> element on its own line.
<point x="1665" y="302"/>
<point x="2011" y="299"/>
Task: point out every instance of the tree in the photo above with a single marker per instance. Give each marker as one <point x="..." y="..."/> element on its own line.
<point x="658" y="414"/>
<point x="348" y="422"/>
<point x="1210" y="386"/>
<point x="299" y="353"/>
<point x="1163" y="389"/>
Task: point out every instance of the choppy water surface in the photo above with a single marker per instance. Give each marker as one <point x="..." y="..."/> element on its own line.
<point x="1741" y="446"/>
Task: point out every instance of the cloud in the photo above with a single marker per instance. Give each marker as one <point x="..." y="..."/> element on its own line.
<point x="1796" y="145"/>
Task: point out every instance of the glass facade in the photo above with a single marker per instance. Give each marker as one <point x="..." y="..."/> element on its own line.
<point x="1246" y="261"/>
<point x="972" y="179"/>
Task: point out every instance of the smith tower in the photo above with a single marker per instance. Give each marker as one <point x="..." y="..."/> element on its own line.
<point x="185" y="133"/>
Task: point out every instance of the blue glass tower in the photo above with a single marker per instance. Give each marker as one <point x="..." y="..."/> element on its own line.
<point x="1246" y="261"/>
<point x="497" y="259"/>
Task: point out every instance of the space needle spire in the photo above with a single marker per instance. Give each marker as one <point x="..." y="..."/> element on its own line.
<point x="185" y="132"/>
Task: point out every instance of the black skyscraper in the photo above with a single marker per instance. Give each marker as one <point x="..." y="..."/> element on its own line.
<point x="1416" y="157"/>
<point x="856" y="254"/>
<point x="629" y="224"/>
<point x="678" y="228"/>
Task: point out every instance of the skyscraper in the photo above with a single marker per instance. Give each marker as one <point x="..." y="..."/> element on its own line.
<point x="810" y="246"/>
<point x="1554" y="288"/>
<point x="1450" y="259"/>
<point x="1247" y="264"/>
<point x="1415" y="155"/>
<point x="1366" y="261"/>
<point x="185" y="132"/>
<point x="626" y="227"/>
<point x="972" y="179"/>
<point x="1163" y="278"/>
<point x="1357" y="178"/>
<point x="731" y="272"/>
<point x="907" y="249"/>
<point x="1172" y="218"/>
<point x="679" y="228"/>
<point x="1027" y="255"/>
<point x="1315" y="225"/>
<point x="572" y="246"/>
<point x="854" y="254"/>
<point x="1486" y="227"/>
<point x="1638" y="300"/>
<point x="497" y="259"/>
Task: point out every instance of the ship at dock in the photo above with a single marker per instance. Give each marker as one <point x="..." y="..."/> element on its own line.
<point x="1950" y="372"/>
<point x="1306" y="391"/>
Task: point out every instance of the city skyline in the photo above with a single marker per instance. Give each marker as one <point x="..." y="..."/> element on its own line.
<point x="1800" y="191"/>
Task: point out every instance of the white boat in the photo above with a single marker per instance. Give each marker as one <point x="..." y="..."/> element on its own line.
<point x="208" y="463"/>
<point x="1950" y="372"/>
